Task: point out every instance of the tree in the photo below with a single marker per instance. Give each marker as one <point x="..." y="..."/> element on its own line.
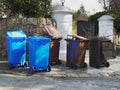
<point x="80" y="14"/>
<point x="27" y="8"/>
<point x="105" y="4"/>
<point x="97" y="15"/>
<point x="2" y="6"/>
<point x="115" y="6"/>
<point x="111" y="7"/>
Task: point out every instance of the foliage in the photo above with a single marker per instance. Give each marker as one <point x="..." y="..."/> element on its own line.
<point x="80" y="14"/>
<point x="27" y="8"/>
<point x="1" y="8"/>
<point x="74" y="27"/>
<point x="55" y="5"/>
<point x="96" y="16"/>
<point x="115" y="9"/>
<point x="115" y="16"/>
<point x="117" y="23"/>
<point x="115" y="6"/>
<point x="105" y="4"/>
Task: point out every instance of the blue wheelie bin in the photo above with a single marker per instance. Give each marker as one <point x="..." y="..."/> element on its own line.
<point x="16" y="48"/>
<point x="38" y="53"/>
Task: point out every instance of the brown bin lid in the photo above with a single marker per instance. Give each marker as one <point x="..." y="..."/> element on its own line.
<point x="52" y="32"/>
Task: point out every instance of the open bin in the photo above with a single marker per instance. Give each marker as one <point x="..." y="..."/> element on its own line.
<point x="76" y="50"/>
<point x="97" y="57"/>
<point x="38" y="53"/>
<point x="16" y="48"/>
<point x="55" y="36"/>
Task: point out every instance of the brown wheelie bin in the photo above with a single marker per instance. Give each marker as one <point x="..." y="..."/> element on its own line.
<point x="76" y="50"/>
<point x="54" y="52"/>
<point x="55" y="36"/>
<point x="97" y="57"/>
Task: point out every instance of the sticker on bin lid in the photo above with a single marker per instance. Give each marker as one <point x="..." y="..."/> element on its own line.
<point x="17" y="33"/>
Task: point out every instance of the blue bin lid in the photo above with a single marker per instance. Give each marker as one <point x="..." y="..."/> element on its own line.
<point x="38" y="37"/>
<point x="17" y="33"/>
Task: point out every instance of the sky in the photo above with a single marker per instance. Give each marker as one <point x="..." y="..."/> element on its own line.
<point x="91" y="6"/>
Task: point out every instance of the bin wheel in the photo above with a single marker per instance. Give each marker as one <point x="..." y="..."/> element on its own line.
<point x="33" y="69"/>
<point x="11" y="66"/>
<point x="49" y="68"/>
<point x="59" y="62"/>
<point x="107" y="64"/>
<point x="26" y="64"/>
<point x="74" y="67"/>
<point x="97" y="66"/>
<point x="83" y="66"/>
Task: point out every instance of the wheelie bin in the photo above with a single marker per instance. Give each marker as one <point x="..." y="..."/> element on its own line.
<point x="55" y="36"/>
<point x="54" y="52"/>
<point x="97" y="57"/>
<point x="76" y="50"/>
<point x="16" y="48"/>
<point x="38" y="53"/>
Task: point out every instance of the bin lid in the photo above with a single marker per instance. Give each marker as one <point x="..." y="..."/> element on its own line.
<point x="37" y="38"/>
<point x="16" y="33"/>
<point x="52" y="32"/>
<point x="76" y="37"/>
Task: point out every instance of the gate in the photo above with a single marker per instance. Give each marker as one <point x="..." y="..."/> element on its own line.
<point x="87" y="29"/>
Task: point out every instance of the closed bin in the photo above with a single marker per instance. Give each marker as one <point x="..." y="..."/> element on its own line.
<point x="16" y="48"/>
<point x="76" y="50"/>
<point x="97" y="57"/>
<point x="38" y="53"/>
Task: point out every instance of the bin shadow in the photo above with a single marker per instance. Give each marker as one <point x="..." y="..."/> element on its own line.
<point x="57" y="71"/>
<point x="3" y="64"/>
<point x="63" y="72"/>
<point x="5" y="68"/>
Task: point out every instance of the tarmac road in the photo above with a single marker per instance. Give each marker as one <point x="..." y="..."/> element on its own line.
<point x="61" y="78"/>
<point x="14" y="82"/>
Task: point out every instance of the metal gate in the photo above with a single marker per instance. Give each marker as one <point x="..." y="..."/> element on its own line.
<point x="87" y="29"/>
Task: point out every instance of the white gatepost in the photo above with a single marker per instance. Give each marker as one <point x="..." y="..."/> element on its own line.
<point x="63" y="17"/>
<point x="106" y="27"/>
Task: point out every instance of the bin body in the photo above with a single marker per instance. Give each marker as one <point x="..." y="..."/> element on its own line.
<point x="97" y="57"/>
<point x="54" y="52"/>
<point x="16" y="48"/>
<point x="38" y="52"/>
<point x="76" y="50"/>
<point x="108" y="50"/>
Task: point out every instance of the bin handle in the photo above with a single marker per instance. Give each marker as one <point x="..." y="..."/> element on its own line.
<point x="69" y="36"/>
<point x="74" y="36"/>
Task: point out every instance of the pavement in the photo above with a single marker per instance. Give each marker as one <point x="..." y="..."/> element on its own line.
<point x="61" y="71"/>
